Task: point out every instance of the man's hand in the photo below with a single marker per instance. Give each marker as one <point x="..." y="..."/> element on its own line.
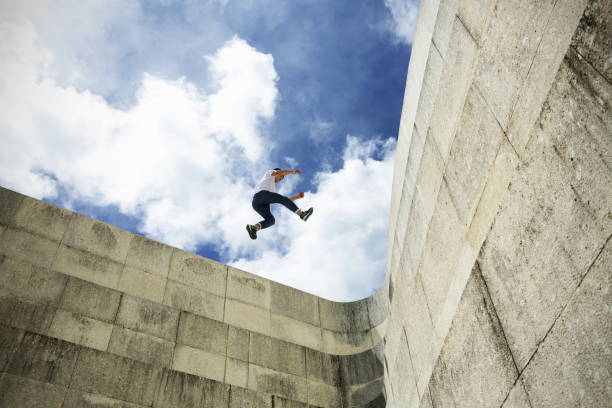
<point x="285" y="172"/>
<point x="297" y="196"/>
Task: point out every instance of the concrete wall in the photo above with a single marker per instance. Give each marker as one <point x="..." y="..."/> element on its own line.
<point x="499" y="253"/>
<point x="498" y="289"/>
<point x="95" y="316"/>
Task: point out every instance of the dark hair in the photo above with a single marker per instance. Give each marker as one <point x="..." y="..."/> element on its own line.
<point x="276" y="169"/>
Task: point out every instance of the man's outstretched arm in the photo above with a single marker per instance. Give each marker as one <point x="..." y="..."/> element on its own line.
<point x="285" y="172"/>
<point x="297" y="196"/>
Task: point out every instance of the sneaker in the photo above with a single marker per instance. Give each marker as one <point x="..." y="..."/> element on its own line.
<point x="306" y="214"/>
<point x="252" y="231"/>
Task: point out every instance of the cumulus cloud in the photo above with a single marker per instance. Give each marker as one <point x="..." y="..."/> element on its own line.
<point x="404" y="15"/>
<point x="179" y="159"/>
<point x="339" y="252"/>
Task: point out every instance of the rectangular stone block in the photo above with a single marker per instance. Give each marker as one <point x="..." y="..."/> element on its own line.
<point x="35" y="317"/>
<point x="10" y="202"/>
<point x="142" y="347"/>
<point x="116" y="377"/>
<point x="401" y="222"/>
<point x="198" y="362"/>
<point x="574" y="131"/>
<point x="454" y="83"/>
<point x="236" y="372"/>
<point x="461" y="381"/>
<point x="22" y="392"/>
<point x="532" y="255"/>
<point x="273" y="382"/>
<point x="472" y="154"/>
<point x="142" y="284"/>
<point x="443" y="321"/>
<point x="420" y="333"/>
<point x="99" y="238"/>
<point x="378" y="304"/>
<point x="10" y="338"/>
<point x="28" y="247"/>
<point x="203" y="333"/>
<point x="245" y="398"/>
<point x="81" y="399"/>
<point x="30" y="282"/>
<point x="81" y="330"/>
<point x="44" y="359"/>
<point x="581" y="377"/>
<point x="149" y="255"/>
<point x="344" y="317"/>
<point x="536" y="87"/>
<point x="323" y="367"/>
<point x="323" y="395"/>
<point x="148" y="317"/>
<point x="402" y="377"/>
<point x="194" y="300"/>
<point x="90" y="300"/>
<point x="443" y="27"/>
<point x="294" y="303"/>
<point x="442" y="249"/>
<point x="247" y="317"/>
<point x="42" y="219"/>
<point x="429" y="91"/>
<point x="346" y="343"/>
<point x="202" y="273"/>
<point x="494" y="191"/>
<point x="361" y="368"/>
<point x="295" y="331"/>
<point x="238" y="343"/>
<point x="507" y="51"/>
<point x="277" y="354"/>
<point x="248" y="288"/>
<point x="87" y="266"/>
<point x="180" y="390"/>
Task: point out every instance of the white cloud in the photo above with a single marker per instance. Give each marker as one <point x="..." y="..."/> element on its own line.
<point x="77" y="31"/>
<point x="339" y="252"/>
<point x="180" y="159"/>
<point x="404" y="15"/>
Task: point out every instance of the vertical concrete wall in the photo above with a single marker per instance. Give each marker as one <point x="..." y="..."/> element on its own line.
<point x="499" y="252"/>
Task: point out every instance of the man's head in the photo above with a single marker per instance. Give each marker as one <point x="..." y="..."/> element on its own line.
<point x="278" y="177"/>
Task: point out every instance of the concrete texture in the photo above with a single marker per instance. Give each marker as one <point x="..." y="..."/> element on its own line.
<point x="498" y="285"/>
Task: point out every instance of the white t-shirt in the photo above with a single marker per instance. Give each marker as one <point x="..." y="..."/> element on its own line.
<point x="267" y="182"/>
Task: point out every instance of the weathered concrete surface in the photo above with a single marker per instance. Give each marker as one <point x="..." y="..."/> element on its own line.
<point x="91" y="327"/>
<point x="497" y="243"/>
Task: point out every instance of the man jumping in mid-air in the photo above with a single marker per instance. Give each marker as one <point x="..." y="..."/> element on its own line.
<point x="266" y="195"/>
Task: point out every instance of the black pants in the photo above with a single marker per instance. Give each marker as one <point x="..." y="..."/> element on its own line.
<point x="261" y="203"/>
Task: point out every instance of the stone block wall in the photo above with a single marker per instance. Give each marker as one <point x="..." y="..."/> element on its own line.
<point x="95" y="316"/>
<point x="499" y="240"/>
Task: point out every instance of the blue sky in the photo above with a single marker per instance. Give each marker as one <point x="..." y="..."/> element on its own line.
<point x="159" y="116"/>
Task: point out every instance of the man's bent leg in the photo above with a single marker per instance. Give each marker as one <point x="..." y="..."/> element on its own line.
<point x="263" y="209"/>
<point x="281" y="199"/>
